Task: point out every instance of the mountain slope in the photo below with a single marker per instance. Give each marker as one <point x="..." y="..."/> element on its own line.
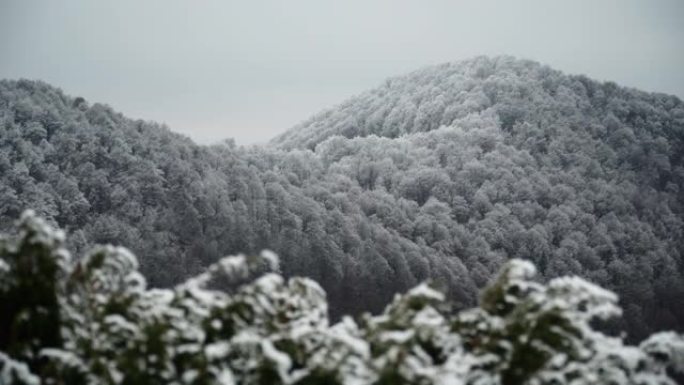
<point x="579" y="176"/>
<point x="444" y="173"/>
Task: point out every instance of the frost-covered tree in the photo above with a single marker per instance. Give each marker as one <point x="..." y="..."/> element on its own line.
<point x="94" y="321"/>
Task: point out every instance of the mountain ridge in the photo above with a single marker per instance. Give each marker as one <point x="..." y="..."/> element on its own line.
<point x="463" y="75"/>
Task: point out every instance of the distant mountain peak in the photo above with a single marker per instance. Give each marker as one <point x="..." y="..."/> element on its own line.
<point x="442" y="95"/>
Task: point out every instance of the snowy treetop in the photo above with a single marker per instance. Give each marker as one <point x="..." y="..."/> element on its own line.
<point x="94" y="321"/>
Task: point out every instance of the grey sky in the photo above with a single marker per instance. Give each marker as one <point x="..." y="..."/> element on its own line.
<point x="251" y="69"/>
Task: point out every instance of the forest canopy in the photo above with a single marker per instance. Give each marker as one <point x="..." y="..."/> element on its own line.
<point x="93" y="320"/>
<point x="443" y="174"/>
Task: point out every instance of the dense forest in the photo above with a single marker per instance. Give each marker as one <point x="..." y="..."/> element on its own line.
<point x="93" y="320"/>
<point x="443" y="174"/>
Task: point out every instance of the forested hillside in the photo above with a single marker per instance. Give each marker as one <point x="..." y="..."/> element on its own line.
<point x="445" y="173"/>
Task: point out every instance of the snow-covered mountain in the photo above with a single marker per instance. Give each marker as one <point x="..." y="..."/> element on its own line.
<point x="444" y="173"/>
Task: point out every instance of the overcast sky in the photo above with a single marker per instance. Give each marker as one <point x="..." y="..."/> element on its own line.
<point x="251" y="69"/>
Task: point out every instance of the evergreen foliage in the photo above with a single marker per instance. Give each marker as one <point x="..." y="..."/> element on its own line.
<point x="94" y="321"/>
